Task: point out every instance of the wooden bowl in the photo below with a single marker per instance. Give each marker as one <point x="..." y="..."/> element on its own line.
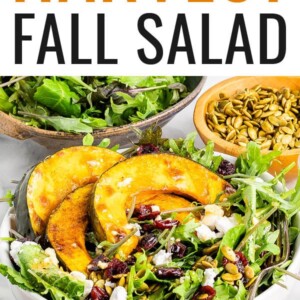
<point x="123" y="135"/>
<point x="229" y="87"/>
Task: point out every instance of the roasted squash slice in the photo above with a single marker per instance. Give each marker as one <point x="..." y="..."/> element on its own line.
<point x="164" y="173"/>
<point x="66" y="229"/>
<point x="43" y="189"/>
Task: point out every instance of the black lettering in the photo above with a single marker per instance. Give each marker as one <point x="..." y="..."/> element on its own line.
<point x="75" y="43"/>
<point x="19" y="37"/>
<point x="50" y="25"/>
<point x="239" y="25"/>
<point x="181" y="24"/>
<point x="150" y="38"/>
<point x="205" y="43"/>
<point x="101" y="43"/>
<point x="264" y="39"/>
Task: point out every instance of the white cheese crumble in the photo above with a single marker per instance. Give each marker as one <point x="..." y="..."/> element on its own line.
<point x="155" y="208"/>
<point x="52" y="256"/>
<point x="119" y="293"/>
<point x="204" y="233"/>
<point x="224" y="224"/>
<point x="102" y="265"/>
<point x="110" y="284"/>
<point x="78" y="275"/>
<point x="209" y="277"/>
<point x="212" y="214"/>
<point x="125" y="182"/>
<point x="162" y="257"/>
<point x="136" y="226"/>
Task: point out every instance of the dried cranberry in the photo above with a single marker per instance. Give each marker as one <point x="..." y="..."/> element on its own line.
<point x="94" y="264"/>
<point x="130" y="261"/>
<point x="166" y="224"/>
<point x="115" y="267"/>
<point x="147" y="227"/>
<point x="206" y="289"/>
<point x="98" y="293"/>
<point x="225" y="261"/>
<point x="242" y="258"/>
<point x="147" y="148"/>
<point x="178" y="249"/>
<point x="169" y="273"/>
<point x="226" y="168"/>
<point x="144" y="212"/>
<point x="148" y="241"/>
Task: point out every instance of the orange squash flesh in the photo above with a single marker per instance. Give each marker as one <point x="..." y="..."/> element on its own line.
<point x="66" y="229"/>
<point x="163" y="173"/>
<point x="60" y="174"/>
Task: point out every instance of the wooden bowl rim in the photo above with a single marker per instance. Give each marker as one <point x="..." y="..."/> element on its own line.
<point x="116" y="130"/>
<point x="200" y="110"/>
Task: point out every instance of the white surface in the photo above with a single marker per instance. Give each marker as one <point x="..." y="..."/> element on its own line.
<point x="18" y="156"/>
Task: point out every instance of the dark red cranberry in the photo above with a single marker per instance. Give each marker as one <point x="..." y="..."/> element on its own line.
<point x="147" y="148"/>
<point x="147" y="227"/>
<point x="242" y="258"/>
<point x="93" y="265"/>
<point x="115" y="267"/>
<point x="98" y="293"/>
<point x="130" y="261"/>
<point x="206" y="289"/>
<point x="178" y="249"/>
<point x="225" y="261"/>
<point x="169" y="273"/>
<point x="226" y="168"/>
<point x="148" y="241"/>
<point x="166" y="224"/>
<point x="144" y="212"/>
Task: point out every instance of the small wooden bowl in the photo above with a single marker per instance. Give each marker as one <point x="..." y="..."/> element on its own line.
<point x="229" y="87"/>
<point x="123" y="135"/>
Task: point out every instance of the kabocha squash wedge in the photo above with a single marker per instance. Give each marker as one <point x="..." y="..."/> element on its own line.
<point x="43" y="189"/>
<point x="164" y="173"/>
<point x="66" y="229"/>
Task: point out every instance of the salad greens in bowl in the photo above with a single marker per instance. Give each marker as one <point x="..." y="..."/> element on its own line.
<point x="58" y="111"/>
<point x="220" y="228"/>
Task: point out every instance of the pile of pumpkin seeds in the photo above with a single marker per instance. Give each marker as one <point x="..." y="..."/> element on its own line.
<point x="266" y="115"/>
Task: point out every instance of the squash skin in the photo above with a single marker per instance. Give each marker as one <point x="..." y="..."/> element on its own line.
<point x="66" y="229"/>
<point x="158" y="173"/>
<point x="57" y="176"/>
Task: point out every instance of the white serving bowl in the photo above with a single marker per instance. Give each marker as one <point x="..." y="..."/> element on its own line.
<point x="275" y="292"/>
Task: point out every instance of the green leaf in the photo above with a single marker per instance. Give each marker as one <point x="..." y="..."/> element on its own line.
<point x="57" y="96"/>
<point x="5" y="105"/>
<point x="192" y="281"/>
<point x="88" y="140"/>
<point x="78" y="80"/>
<point x="231" y="239"/>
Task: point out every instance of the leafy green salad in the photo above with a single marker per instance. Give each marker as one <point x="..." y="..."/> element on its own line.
<point x="220" y="251"/>
<point x="83" y="104"/>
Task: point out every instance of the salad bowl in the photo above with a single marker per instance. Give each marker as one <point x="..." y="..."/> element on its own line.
<point x="273" y="291"/>
<point x="123" y="135"/>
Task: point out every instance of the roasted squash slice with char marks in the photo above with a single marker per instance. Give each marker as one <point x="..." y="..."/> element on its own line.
<point x="164" y="173"/>
<point x="66" y="229"/>
<point x="52" y="180"/>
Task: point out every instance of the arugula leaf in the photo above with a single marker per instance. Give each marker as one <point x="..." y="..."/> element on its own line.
<point x="253" y="161"/>
<point x="78" y="80"/>
<point x="57" y="96"/>
<point x="5" y="105"/>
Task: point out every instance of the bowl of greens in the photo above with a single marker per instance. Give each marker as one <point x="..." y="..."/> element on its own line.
<point x="58" y="111"/>
<point x="206" y="226"/>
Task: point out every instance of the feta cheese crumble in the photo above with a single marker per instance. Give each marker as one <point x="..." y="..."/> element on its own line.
<point x="88" y="284"/>
<point x="224" y="224"/>
<point x="136" y="226"/>
<point x="162" y="257"/>
<point x="204" y="233"/>
<point x="52" y="256"/>
<point x="209" y="277"/>
<point x="119" y="293"/>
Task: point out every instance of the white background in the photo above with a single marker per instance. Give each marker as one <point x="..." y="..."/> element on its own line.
<point x="123" y="38"/>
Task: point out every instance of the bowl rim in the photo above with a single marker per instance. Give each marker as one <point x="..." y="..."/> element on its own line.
<point x="30" y="131"/>
<point x="200" y="120"/>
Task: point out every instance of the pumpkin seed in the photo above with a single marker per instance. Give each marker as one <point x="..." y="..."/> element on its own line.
<point x="249" y="272"/>
<point x="231" y="268"/>
<point x="231" y="277"/>
<point x="228" y="253"/>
